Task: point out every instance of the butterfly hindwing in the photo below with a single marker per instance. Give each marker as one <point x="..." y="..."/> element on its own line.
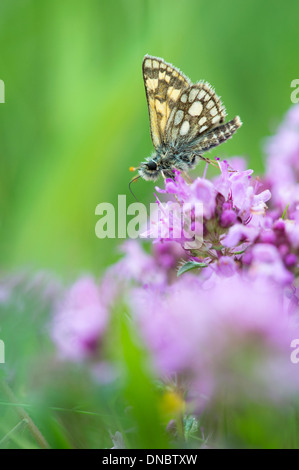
<point x="214" y="137"/>
<point x="163" y="84"/>
<point x="197" y="111"/>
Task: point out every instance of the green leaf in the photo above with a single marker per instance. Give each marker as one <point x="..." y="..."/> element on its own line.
<point x="190" y="426"/>
<point x="190" y="265"/>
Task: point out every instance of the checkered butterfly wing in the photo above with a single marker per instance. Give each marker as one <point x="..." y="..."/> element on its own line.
<point x="164" y="85"/>
<point x="197" y="111"/>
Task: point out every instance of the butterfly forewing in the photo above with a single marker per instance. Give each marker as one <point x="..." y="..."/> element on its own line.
<point x="163" y="84"/>
<point x="197" y="111"/>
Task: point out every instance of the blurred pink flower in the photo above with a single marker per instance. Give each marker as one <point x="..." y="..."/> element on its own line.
<point x="80" y="321"/>
<point x="207" y="334"/>
<point x="282" y="171"/>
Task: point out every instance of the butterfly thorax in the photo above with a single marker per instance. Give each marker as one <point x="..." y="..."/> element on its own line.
<point x="165" y="160"/>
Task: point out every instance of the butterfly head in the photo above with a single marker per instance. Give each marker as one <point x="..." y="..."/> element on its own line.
<point x="149" y="170"/>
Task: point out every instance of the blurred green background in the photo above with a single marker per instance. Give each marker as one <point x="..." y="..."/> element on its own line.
<point x="75" y="116"/>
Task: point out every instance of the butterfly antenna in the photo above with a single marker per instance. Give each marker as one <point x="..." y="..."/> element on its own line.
<point x="133" y="181"/>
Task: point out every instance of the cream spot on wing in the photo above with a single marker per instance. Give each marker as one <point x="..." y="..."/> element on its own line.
<point x="213" y="111"/>
<point x="175" y="74"/>
<point x="169" y="69"/>
<point x="202" y="121"/>
<point x="193" y="94"/>
<point x="173" y="92"/>
<point x="210" y="104"/>
<point x="195" y="109"/>
<point x="154" y="123"/>
<point x="215" y="119"/>
<point x="160" y="107"/>
<point x="152" y="83"/>
<point x="184" y="98"/>
<point x="167" y="78"/>
<point x="155" y="64"/>
<point x="162" y="66"/>
<point x="170" y="117"/>
<point x="203" y="128"/>
<point x="178" y="117"/>
<point x="162" y="75"/>
<point x="148" y="63"/>
<point x="184" y="128"/>
<point x="201" y="94"/>
<point x="175" y="132"/>
<point x="207" y="97"/>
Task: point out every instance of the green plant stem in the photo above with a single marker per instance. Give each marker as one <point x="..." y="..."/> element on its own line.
<point x="20" y="425"/>
<point x="35" y="432"/>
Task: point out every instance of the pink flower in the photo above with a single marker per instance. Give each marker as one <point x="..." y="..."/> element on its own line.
<point x="266" y="262"/>
<point x="226" y="266"/>
<point x="203" y="191"/>
<point x="238" y="234"/>
<point x="231" y="212"/>
<point x="136" y="266"/>
<point x="80" y="321"/>
<point x="208" y="334"/>
<point x="282" y="174"/>
<point x="228" y="218"/>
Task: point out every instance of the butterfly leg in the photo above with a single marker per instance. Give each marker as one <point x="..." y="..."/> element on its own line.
<point x="186" y="177"/>
<point x="208" y="160"/>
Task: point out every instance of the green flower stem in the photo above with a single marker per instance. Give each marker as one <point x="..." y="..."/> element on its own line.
<point x="35" y="432"/>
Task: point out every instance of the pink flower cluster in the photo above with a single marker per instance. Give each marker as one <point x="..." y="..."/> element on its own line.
<point x="233" y="212"/>
<point x="80" y="321"/>
<point x="235" y="303"/>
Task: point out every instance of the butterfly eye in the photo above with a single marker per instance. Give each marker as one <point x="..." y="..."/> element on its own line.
<point x="151" y="165"/>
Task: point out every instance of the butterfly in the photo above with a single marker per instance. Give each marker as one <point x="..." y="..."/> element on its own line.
<point x="186" y="120"/>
